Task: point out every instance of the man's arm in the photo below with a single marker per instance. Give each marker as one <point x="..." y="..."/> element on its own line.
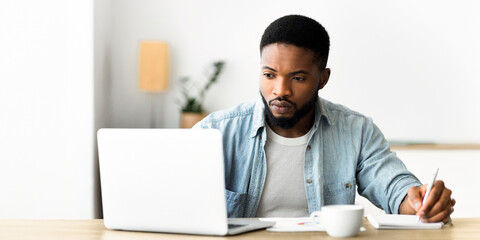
<point x="382" y="177"/>
<point x="438" y="207"/>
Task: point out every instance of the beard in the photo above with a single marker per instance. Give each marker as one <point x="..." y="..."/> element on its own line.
<point x="288" y="122"/>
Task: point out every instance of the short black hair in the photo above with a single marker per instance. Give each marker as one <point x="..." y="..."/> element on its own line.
<point x="300" y="31"/>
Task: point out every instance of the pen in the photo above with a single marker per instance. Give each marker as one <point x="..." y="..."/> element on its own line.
<point x="307" y="224"/>
<point x="429" y="187"/>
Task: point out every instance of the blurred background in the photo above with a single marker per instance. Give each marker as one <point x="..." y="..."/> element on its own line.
<point x="68" y="68"/>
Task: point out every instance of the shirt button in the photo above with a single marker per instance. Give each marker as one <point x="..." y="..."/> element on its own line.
<point x="309" y="180"/>
<point x="347" y="185"/>
<point x="308" y="147"/>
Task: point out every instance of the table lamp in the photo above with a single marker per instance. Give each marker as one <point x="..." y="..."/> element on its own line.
<point x="153" y="71"/>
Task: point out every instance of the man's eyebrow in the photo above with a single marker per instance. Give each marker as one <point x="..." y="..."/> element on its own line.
<point x="269" y="68"/>
<point x="292" y="73"/>
<point x="299" y="71"/>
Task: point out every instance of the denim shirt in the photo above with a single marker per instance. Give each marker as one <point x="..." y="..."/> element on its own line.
<point x="345" y="151"/>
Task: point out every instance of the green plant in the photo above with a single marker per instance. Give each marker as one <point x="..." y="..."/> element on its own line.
<point x="194" y="103"/>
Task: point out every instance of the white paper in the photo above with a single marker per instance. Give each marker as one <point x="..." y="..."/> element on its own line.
<point x="395" y="221"/>
<point x="304" y="224"/>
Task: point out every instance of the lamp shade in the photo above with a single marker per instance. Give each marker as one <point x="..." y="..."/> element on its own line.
<point x="153" y="66"/>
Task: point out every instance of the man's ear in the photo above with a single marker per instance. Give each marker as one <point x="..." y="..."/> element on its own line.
<point x="324" y="76"/>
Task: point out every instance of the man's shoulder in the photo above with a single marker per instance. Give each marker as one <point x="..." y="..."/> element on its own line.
<point x="234" y="114"/>
<point x="241" y="110"/>
<point x="337" y="112"/>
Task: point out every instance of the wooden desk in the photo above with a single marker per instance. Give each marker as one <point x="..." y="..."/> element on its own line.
<point x="462" y="228"/>
<point x="436" y="147"/>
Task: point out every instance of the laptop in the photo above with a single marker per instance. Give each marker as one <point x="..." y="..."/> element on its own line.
<point x="166" y="180"/>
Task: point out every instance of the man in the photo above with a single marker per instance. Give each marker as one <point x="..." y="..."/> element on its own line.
<point x="292" y="152"/>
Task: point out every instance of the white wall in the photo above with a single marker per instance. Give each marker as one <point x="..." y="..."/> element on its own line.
<point x="102" y="84"/>
<point x="102" y="62"/>
<point x="411" y="65"/>
<point x="46" y="109"/>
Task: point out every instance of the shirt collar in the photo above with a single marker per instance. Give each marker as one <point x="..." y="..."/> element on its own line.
<point x="321" y="110"/>
<point x="258" y="118"/>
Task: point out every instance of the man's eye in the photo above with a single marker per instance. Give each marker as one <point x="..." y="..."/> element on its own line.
<point x="268" y="75"/>
<point x="298" y="78"/>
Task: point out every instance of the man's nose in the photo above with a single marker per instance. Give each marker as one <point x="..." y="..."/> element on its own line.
<point x="282" y="88"/>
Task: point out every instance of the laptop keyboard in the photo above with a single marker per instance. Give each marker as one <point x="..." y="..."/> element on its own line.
<point x="232" y="226"/>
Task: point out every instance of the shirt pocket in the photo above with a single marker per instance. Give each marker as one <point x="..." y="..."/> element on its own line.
<point x="339" y="192"/>
<point x="236" y="203"/>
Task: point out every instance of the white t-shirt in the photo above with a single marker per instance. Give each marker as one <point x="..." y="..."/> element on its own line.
<point x="284" y="190"/>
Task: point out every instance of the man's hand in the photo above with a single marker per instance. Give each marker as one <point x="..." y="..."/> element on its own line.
<point x="438" y="206"/>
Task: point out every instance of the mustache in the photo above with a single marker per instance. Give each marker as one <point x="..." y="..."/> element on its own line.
<point x="282" y="99"/>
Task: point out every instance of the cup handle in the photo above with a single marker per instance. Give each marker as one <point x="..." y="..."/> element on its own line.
<point x="316" y="216"/>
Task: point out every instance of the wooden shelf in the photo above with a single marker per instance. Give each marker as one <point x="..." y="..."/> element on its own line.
<point x="436" y="147"/>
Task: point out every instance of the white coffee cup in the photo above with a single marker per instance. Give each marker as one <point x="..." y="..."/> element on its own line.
<point x="340" y="220"/>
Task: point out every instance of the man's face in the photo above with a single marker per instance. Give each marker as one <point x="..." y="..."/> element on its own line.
<point x="289" y="83"/>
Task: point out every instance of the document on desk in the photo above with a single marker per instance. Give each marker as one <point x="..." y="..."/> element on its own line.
<point x="396" y="221"/>
<point x="304" y="224"/>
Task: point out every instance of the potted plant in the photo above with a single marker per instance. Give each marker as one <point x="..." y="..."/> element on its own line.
<point x="192" y="104"/>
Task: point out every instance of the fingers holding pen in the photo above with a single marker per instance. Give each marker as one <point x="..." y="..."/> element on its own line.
<point x="439" y="205"/>
<point x="434" y="196"/>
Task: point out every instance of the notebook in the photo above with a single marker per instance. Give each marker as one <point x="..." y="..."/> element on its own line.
<point x="396" y="221"/>
<point x="166" y="180"/>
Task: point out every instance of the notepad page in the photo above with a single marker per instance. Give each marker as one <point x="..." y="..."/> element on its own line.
<point x="397" y="221"/>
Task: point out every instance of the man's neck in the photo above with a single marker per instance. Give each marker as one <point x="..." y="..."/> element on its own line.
<point x="301" y="128"/>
